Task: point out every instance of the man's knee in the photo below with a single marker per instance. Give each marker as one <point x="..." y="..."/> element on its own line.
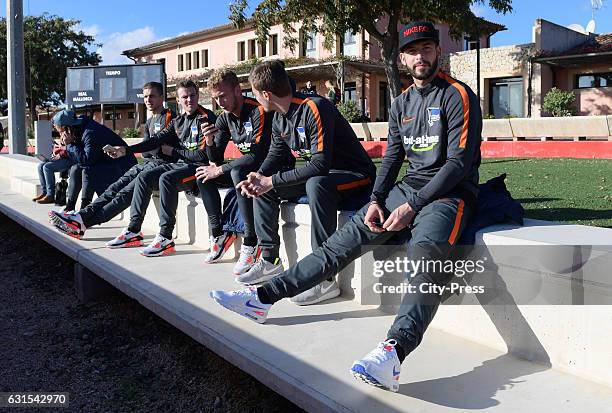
<point x="318" y="185"/>
<point x="148" y="179"/>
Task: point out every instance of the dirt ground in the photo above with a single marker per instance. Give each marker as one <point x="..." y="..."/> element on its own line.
<point x="112" y="355"/>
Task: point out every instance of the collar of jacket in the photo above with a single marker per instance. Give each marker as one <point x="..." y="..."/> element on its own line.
<point x="425" y="90"/>
<point x="297" y="100"/>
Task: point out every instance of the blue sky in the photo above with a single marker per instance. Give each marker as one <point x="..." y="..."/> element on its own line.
<point x="124" y="24"/>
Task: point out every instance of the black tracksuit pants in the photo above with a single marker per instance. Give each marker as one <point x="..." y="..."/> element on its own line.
<point x="170" y="179"/>
<point x="433" y="234"/>
<point x="324" y="194"/>
<point x="117" y="197"/>
<point x="212" y="202"/>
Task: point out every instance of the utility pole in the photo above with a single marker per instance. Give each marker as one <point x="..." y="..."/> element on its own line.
<point x="15" y="71"/>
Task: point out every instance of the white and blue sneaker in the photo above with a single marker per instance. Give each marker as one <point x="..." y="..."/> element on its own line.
<point x="380" y="367"/>
<point x="244" y="302"/>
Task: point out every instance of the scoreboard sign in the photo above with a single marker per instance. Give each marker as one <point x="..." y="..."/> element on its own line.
<point x="91" y="85"/>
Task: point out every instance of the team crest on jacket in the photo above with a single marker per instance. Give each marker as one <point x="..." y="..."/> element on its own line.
<point x="433" y="115"/>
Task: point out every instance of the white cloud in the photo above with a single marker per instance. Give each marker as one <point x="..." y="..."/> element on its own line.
<point x="93" y="30"/>
<point x="478" y="9"/>
<point x="115" y="43"/>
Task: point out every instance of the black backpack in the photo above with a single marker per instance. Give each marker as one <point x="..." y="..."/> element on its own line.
<point x="60" y="192"/>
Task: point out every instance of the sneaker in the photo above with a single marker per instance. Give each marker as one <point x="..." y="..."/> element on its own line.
<point x="261" y="271"/>
<point x="219" y="246"/>
<point x="380" y="368"/>
<point x="324" y="291"/>
<point x="158" y="247"/>
<point x="244" y="302"/>
<point x="53" y="215"/>
<point x="248" y="256"/>
<point x="126" y="239"/>
<point x="71" y="225"/>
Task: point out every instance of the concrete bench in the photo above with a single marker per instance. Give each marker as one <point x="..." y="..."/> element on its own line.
<point x="302" y="352"/>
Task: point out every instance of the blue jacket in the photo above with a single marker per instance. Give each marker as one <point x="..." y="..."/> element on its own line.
<point x="87" y="149"/>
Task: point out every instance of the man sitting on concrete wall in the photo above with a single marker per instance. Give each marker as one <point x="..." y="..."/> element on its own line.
<point x="85" y="140"/>
<point x="246" y="124"/>
<point x="118" y="196"/>
<point x="437" y="125"/>
<point x="181" y="139"/>
<point x="337" y="168"/>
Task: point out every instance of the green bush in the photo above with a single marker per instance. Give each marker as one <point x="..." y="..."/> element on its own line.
<point x="350" y="111"/>
<point x="559" y="102"/>
<point x="130" y="133"/>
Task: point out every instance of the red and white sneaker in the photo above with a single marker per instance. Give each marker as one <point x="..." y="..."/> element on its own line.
<point x="126" y="239"/>
<point x="248" y="256"/>
<point x="158" y="247"/>
<point x="69" y="224"/>
<point x="219" y="246"/>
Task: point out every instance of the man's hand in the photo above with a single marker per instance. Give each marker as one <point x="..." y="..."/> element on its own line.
<point x="255" y="185"/>
<point x="115" y="151"/>
<point x="167" y="149"/>
<point x="400" y="218"/>
<point x="205" y="173"/>
<point x="374" y="215"/>
<point x="209" y="130"/>
<point x="54" y="157"/>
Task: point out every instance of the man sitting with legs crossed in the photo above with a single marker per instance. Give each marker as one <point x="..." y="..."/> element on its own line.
<point x="437" y="125"/>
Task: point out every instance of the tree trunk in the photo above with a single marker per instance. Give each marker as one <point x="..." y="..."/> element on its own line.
<point x="390" y="54"/>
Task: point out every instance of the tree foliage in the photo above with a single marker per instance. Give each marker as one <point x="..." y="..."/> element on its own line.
<point x="51" y="44"/>
<point x="380" y="18"/>
<point x="350" y="111"/>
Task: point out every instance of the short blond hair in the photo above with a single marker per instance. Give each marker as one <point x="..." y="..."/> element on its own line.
<point x="220" y="76"/>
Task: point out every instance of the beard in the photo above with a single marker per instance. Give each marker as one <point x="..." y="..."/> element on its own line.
<point x="427" y="73"/>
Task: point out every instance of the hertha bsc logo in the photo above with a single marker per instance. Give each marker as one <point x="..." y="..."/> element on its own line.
<point x="433" y="115"/>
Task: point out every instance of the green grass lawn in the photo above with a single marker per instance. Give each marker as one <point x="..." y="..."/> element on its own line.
<point x="577" y="191"/>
